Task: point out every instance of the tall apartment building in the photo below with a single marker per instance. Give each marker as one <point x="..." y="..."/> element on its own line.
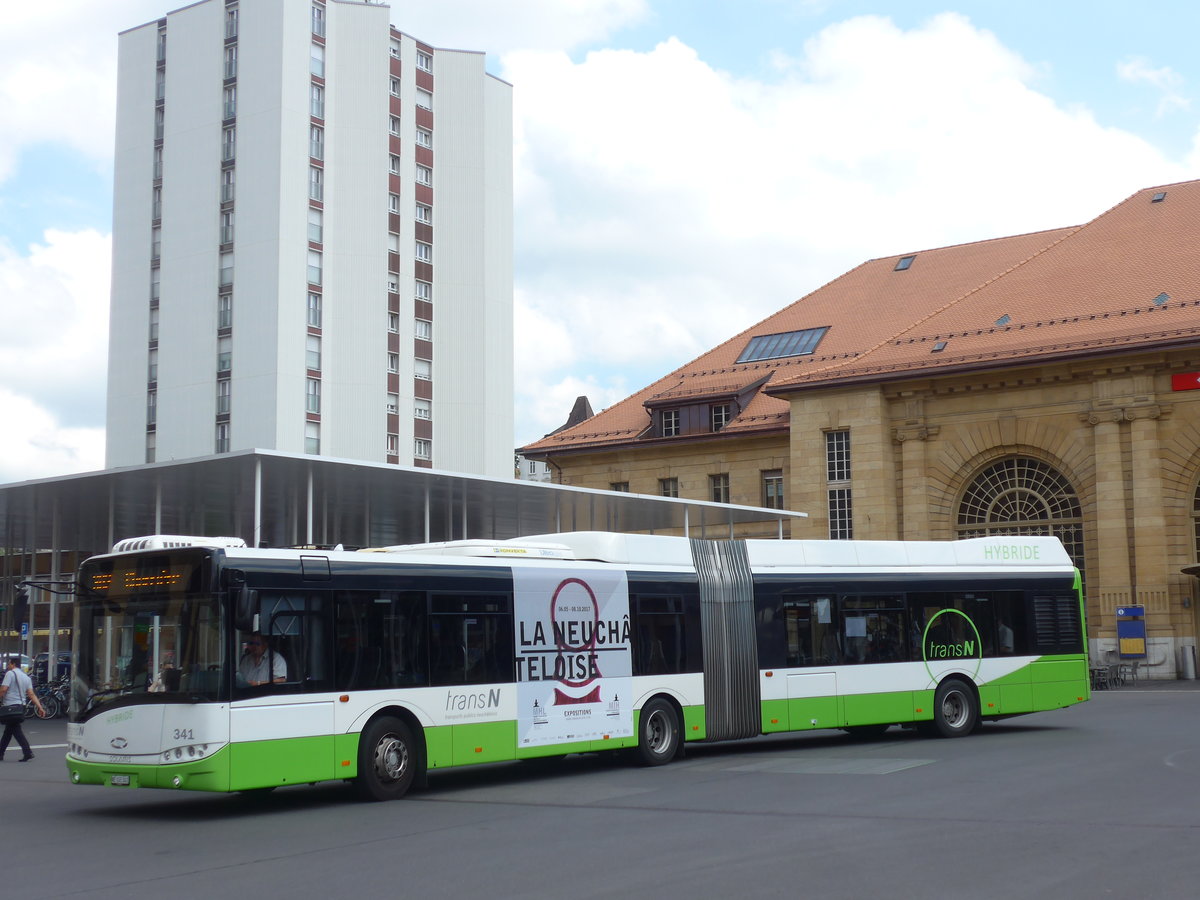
<point x="312" y="241"/>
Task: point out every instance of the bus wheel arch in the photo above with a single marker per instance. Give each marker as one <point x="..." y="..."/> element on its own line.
<point x="391" y="755"/>
<point x="659" y="731"/>
<point x="955" y="707"/>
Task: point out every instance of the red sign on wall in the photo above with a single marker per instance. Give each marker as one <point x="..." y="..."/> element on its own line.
<point x="1186" y="381"/>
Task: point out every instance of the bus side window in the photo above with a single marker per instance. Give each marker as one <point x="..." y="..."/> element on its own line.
<point x="470" y="639"/>
<point x="666" y="639"/>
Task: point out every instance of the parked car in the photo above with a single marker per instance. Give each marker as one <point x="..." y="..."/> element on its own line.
<point x="39" y="666"/>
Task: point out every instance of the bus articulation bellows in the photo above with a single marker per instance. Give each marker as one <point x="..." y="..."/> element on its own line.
<point x="202" y="664"/>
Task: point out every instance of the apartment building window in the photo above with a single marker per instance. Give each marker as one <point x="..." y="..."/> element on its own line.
<point x="422" y="449"/>
<point x="719" y="416"/>
<point x="222" y="441"/>
<point x="224" y="353"/>
<point x="312" y="352"/>
<point x="314" y="267"/>
<point x="317" y="61"/>
<point x="314" y="309"/>
<point x="422" y="409"/>
<point x="423" y="369"/>
<point x="394" y="322"/>
<point x="312" y="438"/>
<point x="393" y="363"/>
<point x="155" y="242"/>
<point x="841" y="519"/>
<point x="423" y="290"/>
<point x="223" y="394"/>
<point x="424" y="61"/>
<point x="228" y="143"/>
<point x="160" y="84"/>
<point x="231" y="61"/>
<point x="316" y="183"/>
<point x="772" y="488"/>
<point x="424" y="175"/>
<point x="155" y="283"/>
<point x="424" y="214"/>
<point x="395" y="48"/>
<point x="225" y="311"/>
<point x="395" y="87"/>
<point x="231" y="22"/>
<point x="317" y="106"/>
<point x="394" y="165"/>
<point x="424" y="137"/>
<point x="394" y="124"/>
<point x="159" y="119"/>
<point x="393" y="403"/>
<point x="393" y="445"/>
<point x="393" y="242"/>
<point x="621" y="487"/>
<point x="423" y="329"/>
<point x="318" y="20"/>
<point x="152" y="366"/>
<point x="153" y="324"/>
<point x="161" y="47"/>
<point x="316" y="142"/>
<point x="424" y="252"/>
<point x="837" y="474"/>
<point x="230" y="104"/>
<point x="393" y="283"/>
<point x="227" y="268"/>
<point x="670" y="422"/>
<point x="158" y="170"/>
<point x="316" y="225"/>
<point x="312" y="395"/>
<point x="227" y="228"/>
<point x="394" y="203"/>
<point x="227" y="182"/>
<point x="424" y="99"/>
<point x="151" y="408"/>
<point x="668" y="487"/>
<point x="151" y="444"/>
<point x="156" y="203"/>
<point x="837" y="455"/>
<point x="718" y="487"/>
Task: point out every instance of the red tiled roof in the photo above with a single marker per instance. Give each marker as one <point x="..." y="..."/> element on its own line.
<point x="1066" y="292"/>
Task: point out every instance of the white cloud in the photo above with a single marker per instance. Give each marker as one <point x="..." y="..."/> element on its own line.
<point x="39" y="445"/>
<point x="54" y="339"/>
<point x="663" y="205"/>
<point x="1168" y="82"/>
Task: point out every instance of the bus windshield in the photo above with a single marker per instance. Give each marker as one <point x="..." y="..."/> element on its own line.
<point x="148" y="631"/>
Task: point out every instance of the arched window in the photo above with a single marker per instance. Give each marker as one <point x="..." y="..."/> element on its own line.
<point x="1019" y="495"/>
<point x="1196" y="520"/>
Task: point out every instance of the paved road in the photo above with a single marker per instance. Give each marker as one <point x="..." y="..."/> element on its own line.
<point x="1102" y="800"/>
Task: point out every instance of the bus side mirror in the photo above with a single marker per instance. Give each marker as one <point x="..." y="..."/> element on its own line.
<point x="245" y="609"/>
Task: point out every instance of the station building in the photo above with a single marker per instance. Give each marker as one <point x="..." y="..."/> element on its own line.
<point x="1045" y="383"/>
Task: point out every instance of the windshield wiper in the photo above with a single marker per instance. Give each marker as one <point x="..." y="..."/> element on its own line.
<point x="95" y="699"/>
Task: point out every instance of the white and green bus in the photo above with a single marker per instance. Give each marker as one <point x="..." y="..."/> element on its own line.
<point x="202" y="664"/>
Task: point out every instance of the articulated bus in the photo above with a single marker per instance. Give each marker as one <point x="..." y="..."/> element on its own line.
<point x="204" y="665"/>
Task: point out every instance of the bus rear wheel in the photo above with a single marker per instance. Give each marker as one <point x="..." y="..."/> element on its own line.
<point x="388" y="758"/>
<point x="658" y="733"/>
<point x="955" y="709"/>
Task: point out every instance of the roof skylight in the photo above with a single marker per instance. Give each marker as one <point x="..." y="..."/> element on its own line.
<point x="1159" y="197"/>
<point x="1162" y="298"/>
<point x="1004" y="319"/>
<point x="903" y="263"/>
<point x="777" y="346"/>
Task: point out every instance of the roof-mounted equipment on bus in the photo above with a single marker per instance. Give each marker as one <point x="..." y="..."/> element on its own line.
<point x="173" y="541"/>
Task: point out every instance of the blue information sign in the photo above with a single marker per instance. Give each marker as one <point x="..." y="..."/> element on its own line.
<point x="24" y="629"/>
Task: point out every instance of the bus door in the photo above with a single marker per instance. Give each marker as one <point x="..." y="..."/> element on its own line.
<point x="282" y="723"/>
<point x="813" y="647"/>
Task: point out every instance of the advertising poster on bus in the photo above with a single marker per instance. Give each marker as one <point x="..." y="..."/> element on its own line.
<point x="574" y="664"/>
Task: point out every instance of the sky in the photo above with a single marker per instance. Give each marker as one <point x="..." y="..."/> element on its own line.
<point x="682" y="168"/>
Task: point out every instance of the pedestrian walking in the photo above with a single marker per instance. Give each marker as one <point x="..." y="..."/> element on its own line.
<point x="16" y="687"/>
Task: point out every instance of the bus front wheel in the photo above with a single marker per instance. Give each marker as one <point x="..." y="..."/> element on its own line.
<point x="658" y="733"/>
<point x="955" y="709"/>
<point x="388" y="758"/>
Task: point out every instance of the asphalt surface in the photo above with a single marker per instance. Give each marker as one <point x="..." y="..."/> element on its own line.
<point x="1099" y="800"/>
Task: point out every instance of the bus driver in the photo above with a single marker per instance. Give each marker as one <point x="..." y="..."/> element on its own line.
<point x="253" y="666"/>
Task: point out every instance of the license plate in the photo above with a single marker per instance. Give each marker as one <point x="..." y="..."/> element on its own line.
<point x="121" y="780"/>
